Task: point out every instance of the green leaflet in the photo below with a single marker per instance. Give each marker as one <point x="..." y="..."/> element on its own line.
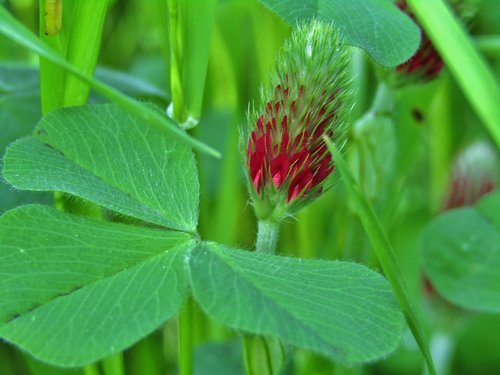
<point x="74" y="290"/>
<point x="73" y="296"/>
<point x="461" y="255"/>
<point x="103" y="154"/>
<point x="19" y="112"/>
<point x="377" y="26"/>
<point x="340" y="309"/>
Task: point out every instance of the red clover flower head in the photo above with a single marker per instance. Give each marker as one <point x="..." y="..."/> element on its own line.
<point x="287" y="161"/>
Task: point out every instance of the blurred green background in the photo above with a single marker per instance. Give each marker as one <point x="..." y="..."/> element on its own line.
<point x="433" y="121"/>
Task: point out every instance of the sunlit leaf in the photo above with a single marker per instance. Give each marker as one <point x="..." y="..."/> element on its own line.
<point x="340" y="309"/>
<point x="73" y="290"/>
<point x="103" y="154"/>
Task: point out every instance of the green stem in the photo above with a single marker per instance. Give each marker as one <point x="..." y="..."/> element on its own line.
<point x="186" y="339"/>
<point x="113" y="365"/>
<point x="91" y="370"/>
<point x="267" y="236"/>
<point x="178" y="110"/>
<point x="51" y="75"/>
<point x="13" y="30"/>
<point x="383" y="249"/>
<point x="261" y="355"/>
<point x="83" y="47"/>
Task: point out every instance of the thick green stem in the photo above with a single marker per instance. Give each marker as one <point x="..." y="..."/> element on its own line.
<point x="91" y="369"/>
<point x="113" y="365"/>
<point x="51" y="75"/>
<point x="267" y="236"/>
<point x="264" y="356"/>
<point x="185" y="340"/>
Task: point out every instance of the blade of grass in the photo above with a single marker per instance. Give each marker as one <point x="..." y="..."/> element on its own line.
<point x="91" y="370"/>
<point x="383" y="249"/>
<point x="51" y="75"/>
<point x="83" y="47"/>
<point x="441" y="125"/>
<point x="185" y="339"/>
<point x="13" y="30"/>
<point x="462" y="58"/>
<point x="190" y="29"/>
<point x="113" y="365"/>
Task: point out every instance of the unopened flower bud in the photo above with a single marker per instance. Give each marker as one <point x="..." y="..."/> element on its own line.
<point x="287" y="161"/>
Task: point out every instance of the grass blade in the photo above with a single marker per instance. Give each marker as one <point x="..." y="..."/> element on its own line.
<point x="190" y="29"/>
<point x="13" y="30"/>
<point x="83" y="46"/>
<point x="465" y="63"/>
<point x="383" y="250"/>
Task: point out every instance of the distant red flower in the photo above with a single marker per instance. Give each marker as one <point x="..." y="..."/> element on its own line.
<point x="475" y="174"/>
<point x="286" y="151"/>
<point x="426" y="63"/>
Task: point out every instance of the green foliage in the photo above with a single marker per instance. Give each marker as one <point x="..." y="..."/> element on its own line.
<point x="94" y="288"/>
<point x="88" y="288"/>
<point x="19" y="112"/>
<point x="135" y="171"/>
<point x="461" y="255"/>
<point x="377" y="26"/>
<point x="327" y="306"/>
<point x="11" y="28"/>
<point x="87" y="22"/>
<point x="462" y="58"/>
<point x="190" y="29"/>
<point x="383" y="249"/>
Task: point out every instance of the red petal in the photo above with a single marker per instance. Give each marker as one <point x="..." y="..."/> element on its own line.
<point x="301" y="184"/>
<point x="279" y="169"/>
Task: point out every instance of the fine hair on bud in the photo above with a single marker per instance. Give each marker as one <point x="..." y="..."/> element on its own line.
<point x="309" y="96"/>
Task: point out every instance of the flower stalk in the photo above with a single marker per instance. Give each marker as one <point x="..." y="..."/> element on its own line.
<point x="286" y="159"/>
<point x="267" y="236"/>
